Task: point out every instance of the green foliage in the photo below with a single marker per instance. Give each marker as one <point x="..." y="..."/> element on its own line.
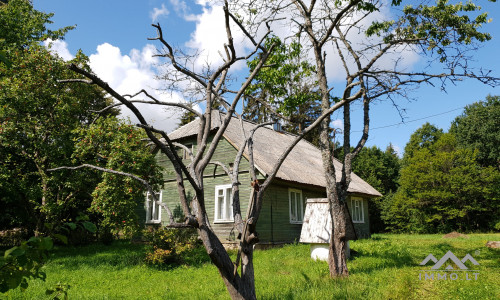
<point x="439" y="27"/>
<point x="20" y="263"/>
<point x="38" y="115"/>
<point x="381" y="170"/>
<point x="37" y="118"/>
<point x="22" y="26"/>
<point x="174" y="246"/>
<point x="77" y="232"/>
<point x="287" y="84"/>
<point x="59" y="291"/>
<point x="424" y="137"/>
<point x="444" y="188"/>
<point x="23" y="262"/>
<point x="116" y="145"/>
<point x="478" y="128"/>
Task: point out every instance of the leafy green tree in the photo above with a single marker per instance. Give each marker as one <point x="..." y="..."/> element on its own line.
<point x="478" y="128"/>
<point x="22" y="26"/>
<point x="424" y="137"/>
<point x="113" y="144"/>
<point x="42" y="124"/>
<point x="443" y="188"/>
<point x="37" y="117"/>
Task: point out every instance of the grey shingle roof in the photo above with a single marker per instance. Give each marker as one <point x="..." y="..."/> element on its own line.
<point x="303" y="164"/>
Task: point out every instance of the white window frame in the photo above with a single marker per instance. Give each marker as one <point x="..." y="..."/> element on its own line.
<point x="357" y="202"/>
<point x="227" y="197"/>
<point x="299" y="209"/>
<point x="151" y="209"/>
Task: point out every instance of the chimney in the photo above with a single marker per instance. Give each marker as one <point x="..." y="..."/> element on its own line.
<point x="277" y="127"/>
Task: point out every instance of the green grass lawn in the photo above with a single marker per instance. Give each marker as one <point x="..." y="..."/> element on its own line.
<point x="386" y="267"/>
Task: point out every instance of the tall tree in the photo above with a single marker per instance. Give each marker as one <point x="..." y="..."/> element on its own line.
<point x="37" y="117"/>
<point x="444" y="188"/>
<point x="441" y="32"/>
<point x="40" y="125"/>
<point x="423" y="138"/>
<point x="22" y="26"/>
<point x="477" y="128"/>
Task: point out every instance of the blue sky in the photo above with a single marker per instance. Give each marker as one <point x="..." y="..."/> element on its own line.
<point x="114" y="34"/>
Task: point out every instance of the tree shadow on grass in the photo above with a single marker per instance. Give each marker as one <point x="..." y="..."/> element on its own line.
<point x="393" y="255"/>
<point x="119" y="255"/>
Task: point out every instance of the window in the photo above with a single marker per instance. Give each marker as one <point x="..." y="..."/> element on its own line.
<point x="357" y="213"/>
<point x="296" y="206"/>
<point x="153" y="209"/>
<point x="223" y="204"/>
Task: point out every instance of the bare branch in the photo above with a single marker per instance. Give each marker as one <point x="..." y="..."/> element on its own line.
<point x="75" y="80"/>
<point x="135" y="177"/>
<point x="224" y="167"/>
<point x="185" y="148"/>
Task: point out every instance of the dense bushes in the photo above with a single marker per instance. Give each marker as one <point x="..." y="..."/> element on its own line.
<point x="171" y="246"/>
<point x="443" y="188"/>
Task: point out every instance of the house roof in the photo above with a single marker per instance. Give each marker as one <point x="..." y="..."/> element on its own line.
<point x="303" y="164"/>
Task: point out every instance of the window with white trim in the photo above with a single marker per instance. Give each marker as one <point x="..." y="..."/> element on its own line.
<point x="357" y="212"/>
<point x="153" y="208"/>
<point x="223" y="204"/>
<point x="296" y="206"/>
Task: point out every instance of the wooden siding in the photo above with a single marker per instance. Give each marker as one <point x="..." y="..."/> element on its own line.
<point x="272" y="227"/>
<point x="276" y="227"/>
<point x="225" y="153"/>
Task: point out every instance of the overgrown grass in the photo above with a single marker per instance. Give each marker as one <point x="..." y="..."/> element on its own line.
<point x="386" y="267"/>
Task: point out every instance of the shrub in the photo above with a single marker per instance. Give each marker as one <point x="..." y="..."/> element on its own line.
<point x="173" y="246"/>
<point x="12" y="237"/>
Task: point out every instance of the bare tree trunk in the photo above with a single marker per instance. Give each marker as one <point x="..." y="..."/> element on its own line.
<point x="337" y="260"/>
<point x="238" y="287"/>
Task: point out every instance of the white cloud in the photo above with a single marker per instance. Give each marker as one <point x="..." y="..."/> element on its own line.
<point x="128" y="74"/>
<point x="183" y="11"/>
<point x="58" y="47"/>
<point x="158" y="12"/>
<point x="398" y="150"/>
<point x="210" y="37"/>
<point x="337" y="124"/>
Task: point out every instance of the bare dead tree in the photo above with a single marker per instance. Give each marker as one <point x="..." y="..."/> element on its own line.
<point x="238" y="276"/>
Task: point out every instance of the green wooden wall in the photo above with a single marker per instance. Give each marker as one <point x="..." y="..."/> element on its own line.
<point x="274" y="222"/>
<point x="362" y="229"/>
<point x="275" y="227"/>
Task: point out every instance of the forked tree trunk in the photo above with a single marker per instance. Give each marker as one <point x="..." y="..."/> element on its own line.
<point x="238" y="287"/>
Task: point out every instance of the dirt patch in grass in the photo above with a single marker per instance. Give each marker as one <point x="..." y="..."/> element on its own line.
<point x="493" y="244"/>
<point x="455" y="234"/>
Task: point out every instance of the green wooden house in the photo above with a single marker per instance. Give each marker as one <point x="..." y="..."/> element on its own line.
<point x="299" y="178"/>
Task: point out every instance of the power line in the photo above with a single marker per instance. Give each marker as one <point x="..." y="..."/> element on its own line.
<point x="410" y="121"/>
